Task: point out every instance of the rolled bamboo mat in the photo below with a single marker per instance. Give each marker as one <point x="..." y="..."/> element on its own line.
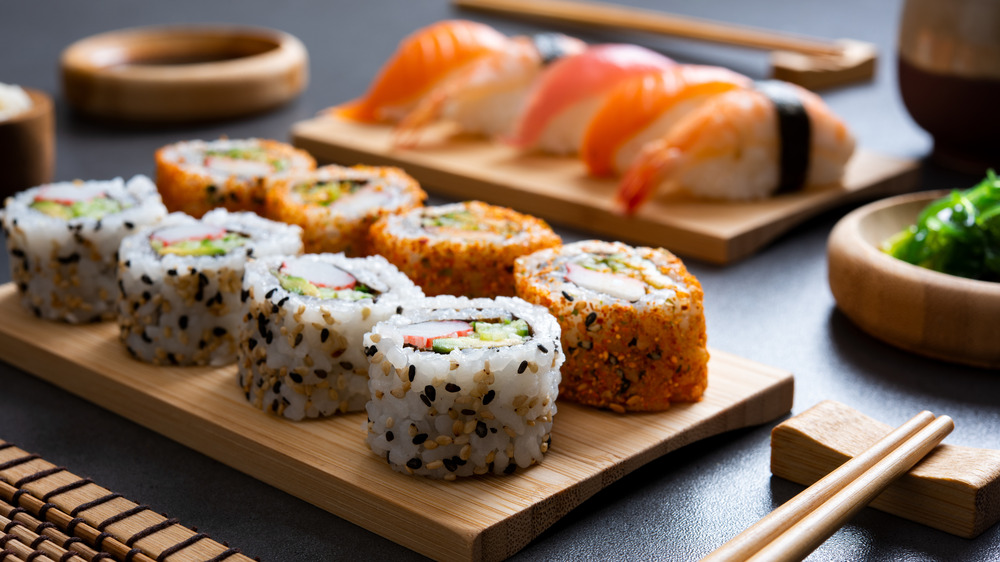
<point x="49" y="514"/>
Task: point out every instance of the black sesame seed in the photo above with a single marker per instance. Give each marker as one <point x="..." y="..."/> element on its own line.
<point x="458" y="460"/>
<point x="277" y="387"/>
<point x="450" y="465"/>
<point x="347" y="365"/>
<point x="414" y="463"/>
<point x="389" y="436"/>
<point x="522" y="367"/>
<point x="425" y="400"/>
<point x="146" y="279"/>
<point x="145" y="337"/>
<point x="271" y="293"/>
<point x="430" y="392"/>
<point x="211" y="188"/>
<point x="252" y="343"/>
<point x="121" y="287"/>
<point x="202" y="344"/>
<point x="98" y="225"/>
<point x="419" y="438"/>
<point x="129" y="225"/>
<point x="274" y="309"/>
<point x="481" y="429"/>
<point x="591" y="318"/>
<point x="632" y="342"/>
<point x="493" y="430"/>
<point x="371" y="351"/>
<point x="17" y="252"/>
<point x="218" y="331"/>
<point x="283" y="301"/>
<point x="320" y="373"/>
<point x="298" y="339"/>
<point x="274" y="405"/>
<point x="182" y="322"/>
<point x="172" y="358"/>
<point x="542" y="348"/>
<point x="72" y="258"/>
<point x="147" y="296"/>
<point x="412" y="372"/>
<point x="172" y="272"/>
<point x="22" y="286"/>
<point x="488" y="397"/>
<point x="324" y="335"/>
<point x="511" y="467"/>
<point x="269" y="337"/>
<point x="468" y="412"/>
<point x="452" y="387"/>
<point x="567" y="296"/>
<point x="244" y="295"/>
<point x="296" y="378"/>
<point x="261" y="324"/>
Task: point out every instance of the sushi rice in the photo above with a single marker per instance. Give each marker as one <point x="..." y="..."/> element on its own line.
<point x="301" y="355"/>
<point x="185" y="309"/>
<point x="64" y="263"/>
<point x="470" y="411"/>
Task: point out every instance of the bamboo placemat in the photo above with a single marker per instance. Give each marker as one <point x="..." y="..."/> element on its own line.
<point x="49" y="514"/>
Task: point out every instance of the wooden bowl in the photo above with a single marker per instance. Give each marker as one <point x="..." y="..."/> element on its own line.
<point x="184" y="73"/>
<point x="27" y="146"/>
<point x="923" y="311"/>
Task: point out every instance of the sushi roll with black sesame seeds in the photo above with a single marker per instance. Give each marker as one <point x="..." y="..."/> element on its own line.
<point x="180" y="284"/>
<point x="197" y="176"/>
<point x="336" y="205"/>
<point x="633" y="323"/>
<point x="301" y="354"/>
<point x="63" y="242"/>
<point x="463" y="387"/>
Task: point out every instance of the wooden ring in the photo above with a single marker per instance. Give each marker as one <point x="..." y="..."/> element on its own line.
<point x="923" y="311"/>
<point x="28" y="141"/>
<point x="183" y="73"/>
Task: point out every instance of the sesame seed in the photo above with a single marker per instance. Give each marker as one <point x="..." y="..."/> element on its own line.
<point x="542" y="348"/>
<point x="430" y="392"/>
<point x="522" y="367"/>
<point x="567" y="296"/>
<point x="452" y="387"/>
<point x="419" y="438"/>
<point x="489" y="397"/>
<point x="591" y="318"/>
<point x="412" y="372"/>
<point x="389" y="436"/>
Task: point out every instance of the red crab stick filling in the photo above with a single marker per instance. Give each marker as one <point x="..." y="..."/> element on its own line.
<point x="423" y="334"/>
<point x="320" y="274"/>
<point x="69" y="194"/>
<point x="183" y="233"/>
<point x="614" y="284"/>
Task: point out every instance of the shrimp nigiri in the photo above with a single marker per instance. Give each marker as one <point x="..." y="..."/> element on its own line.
<point x="423" y="60"/>
<point x="487" y="96"/>
<point x="744" y="145"/>
<point x="569" y="92"/>
<point x="644" y="108"/>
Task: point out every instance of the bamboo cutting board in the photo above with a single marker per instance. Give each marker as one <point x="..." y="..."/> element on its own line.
<point x="559" y="190"/>
<point x="327" y="463"/>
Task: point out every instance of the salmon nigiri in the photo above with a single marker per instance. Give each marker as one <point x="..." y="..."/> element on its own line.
<point x="487" y="95"/>
<point x="423" y="60"/>
<point x="744" y="145"/>
<point x="644" y="108"/>
<point x="566" y="96"/>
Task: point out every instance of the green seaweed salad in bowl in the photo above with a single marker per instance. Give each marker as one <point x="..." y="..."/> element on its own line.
<point x="958" y="234"/>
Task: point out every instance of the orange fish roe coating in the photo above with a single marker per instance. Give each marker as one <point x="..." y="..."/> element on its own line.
<point x="195" y="177"/>
<point x="464" y="248"/>
<point x="336" y="206"/>
<point x="621" y="354"/>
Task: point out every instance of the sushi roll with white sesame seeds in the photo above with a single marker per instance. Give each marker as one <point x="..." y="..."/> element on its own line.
<point x="463" y="387"/>
<point x="633" y="323"/>
<point x="63" y="242"/>
<point x="301" y="354"/>
<point x="180" y="284"/>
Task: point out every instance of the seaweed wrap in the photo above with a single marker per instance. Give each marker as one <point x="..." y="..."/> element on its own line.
<point x="63" y="243"/>
<point x="197" y="176"/>
<point x="336" y="205"/>
<point x="180" y="284"/>
<point x="463" y="387"/>
<point x="633" y="323"/>
<point x="464" y="248"/>
<point x="301" y="354"/>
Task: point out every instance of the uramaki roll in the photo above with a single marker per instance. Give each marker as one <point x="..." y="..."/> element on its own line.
<point x="195" y="177"/>
<point x="336" y="205"/>
<point x="633" y="323"/>
<point x="464" y="248"/>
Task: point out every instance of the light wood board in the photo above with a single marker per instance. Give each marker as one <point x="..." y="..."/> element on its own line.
<point x="327" y="463"/>
<point x="559" y="190"/>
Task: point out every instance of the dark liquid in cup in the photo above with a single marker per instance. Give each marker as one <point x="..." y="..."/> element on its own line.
<point x="962" y="114"/>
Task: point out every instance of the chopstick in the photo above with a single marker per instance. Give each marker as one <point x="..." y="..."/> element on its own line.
<point x="606" y="15"/>
<point x="801" y="524"/>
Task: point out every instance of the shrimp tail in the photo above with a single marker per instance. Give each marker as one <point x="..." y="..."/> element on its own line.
<point x="640" y="181"/>
<point x="354" y="110"/>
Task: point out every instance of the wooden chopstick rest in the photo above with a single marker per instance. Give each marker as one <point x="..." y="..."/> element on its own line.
<point x="954" y="489"/>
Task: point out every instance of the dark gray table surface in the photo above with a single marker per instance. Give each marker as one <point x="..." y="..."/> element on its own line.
<point x="775" y="307"/>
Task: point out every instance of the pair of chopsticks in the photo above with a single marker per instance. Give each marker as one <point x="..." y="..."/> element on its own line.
<point x="801" y="524"/>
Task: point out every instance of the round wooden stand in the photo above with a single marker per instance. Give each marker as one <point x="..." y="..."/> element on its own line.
<point x="27" y="146"/>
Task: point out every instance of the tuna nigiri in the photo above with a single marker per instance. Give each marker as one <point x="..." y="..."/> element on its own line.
<point x="644" y="108"/>
<point x="569" y="92"/>
<point x="487" y="95"/>
<point x="744" y="145"/>
<point x="423" y="60"/>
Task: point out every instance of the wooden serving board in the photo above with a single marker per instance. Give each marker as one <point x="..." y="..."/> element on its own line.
<point x="559" y="190"/>
<point x="327" y="463"/>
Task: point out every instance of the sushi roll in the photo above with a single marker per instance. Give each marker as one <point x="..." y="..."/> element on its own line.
<point x="180" y="284"/>
<point x="464" y="248"/>
<point x="195" y="177"/>
<point x="463" y="386"/>
<point x="336" y="206"/>
<point x="300" y="353"/>
<point x="633" y="323"/>
<point x="63" y="242"/>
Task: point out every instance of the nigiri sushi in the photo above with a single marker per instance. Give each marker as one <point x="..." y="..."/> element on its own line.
<point x="487" y="95"/>
<point x="644" y="108"/>
<point x="744" y="145"/>
<point x="423" y="60"/>
<point x="566" y="96"/>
